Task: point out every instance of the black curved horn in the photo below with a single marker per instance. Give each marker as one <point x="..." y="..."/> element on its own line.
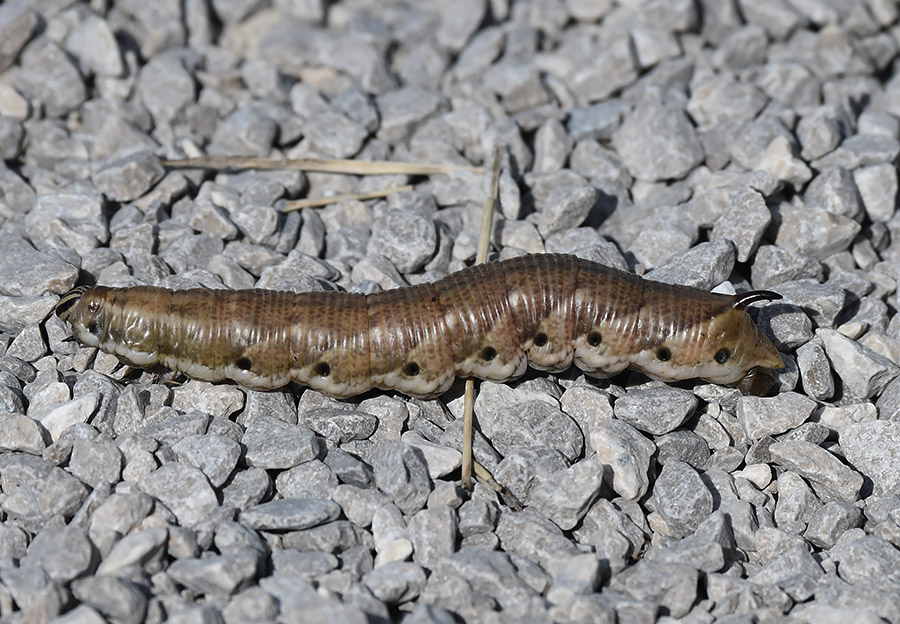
<point x="742" y="300"/>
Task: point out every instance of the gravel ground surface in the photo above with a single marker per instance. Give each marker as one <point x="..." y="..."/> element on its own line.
<point x="698" y="141"/>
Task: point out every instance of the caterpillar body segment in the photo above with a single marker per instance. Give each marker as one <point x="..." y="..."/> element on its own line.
<point x="489" y="321"/>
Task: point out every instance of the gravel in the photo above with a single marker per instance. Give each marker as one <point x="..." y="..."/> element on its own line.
<point x="713" y="144"/>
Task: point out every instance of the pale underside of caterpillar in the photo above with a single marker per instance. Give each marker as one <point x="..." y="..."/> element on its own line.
<point x="489" y="321"/>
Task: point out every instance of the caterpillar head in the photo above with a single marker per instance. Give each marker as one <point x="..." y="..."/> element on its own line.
<point x="82" y="309"/>
<point x="736" y="352"/>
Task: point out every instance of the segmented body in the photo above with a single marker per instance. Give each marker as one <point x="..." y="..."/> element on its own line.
<point x="489" y="321"/>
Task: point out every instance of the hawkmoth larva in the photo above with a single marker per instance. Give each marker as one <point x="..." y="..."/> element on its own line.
<point x="489" y="321"/>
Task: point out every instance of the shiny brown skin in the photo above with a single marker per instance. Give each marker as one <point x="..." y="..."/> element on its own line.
<point x="489" y="321"/>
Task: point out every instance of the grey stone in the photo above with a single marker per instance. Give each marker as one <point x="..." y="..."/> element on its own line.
<point x="17" y="26"/>
<point x="533" y="423"/>
<point x="795" y="571"/>
<point x="349" y="469"/>
<point x="565" y="208"/>
<point x="661" y="240"/>
<point x="144" y="550"/>
<point x="96" y="462"/>
<point x="727" y="459"/>
<point x="402" y="109"/>
<point x="290" y="514"/>
<point x="877" y="122"/>
<point x="215" y="455"/>
<point x="656" y="410"/>
<point x="864" y="372"/>
<point x="303" y="565"/>
<point x="815" y="371"/>
<point x="823" y="469"/>
<point x="458" y="24"/>
<point x="600" y="75"/>
<point x="75" y="217"/>
<point x="407" y="239"/>
<point x="822" y="302"/>
<point x="49" y="76"/>
<point x="574" y="576"/>
<point x="332" y="537"/>
<point x="597" y="121"/>
<point x="165" y="87"/>
<point x="25" y="271"/>
<point x="312" y="479"/>
<point x="64" y="554"/>
<point x="685" y="446"/>
<point x="249" y="605"/>
<point x="246" y="488"/>
<point x="552" y="146"/>
<point x="358" y="504"/>
<point x="682" y="498"/>
<point x="273" y="444"/>
<point x="333" y="134"/>
<point x="722" y="100"/>
<point x="215" y="575"/>
<point x="340" y="425"/>
<point x="178" y="427"/>
<point x="673" y="586"/>
<point x="117" y="599"/>
<point x="830" y="521"/>
<point x="219" y="400"/>
<point x="440" y="459"/>
<point x="834" y="190"/>
<point x="867" y="559"/>
<point x="129" y="177"/>
<point x="233" y="538"/>
<point x="622" y="447"/>
<point x="476" y="517"/>
<point x="492" y="577"/>
<point x="93" y="43"/>
<point x="523" y="469"/>
<point x="183" y="489"/>
<point x="861" y="150"/>
<point x="530" y="535"/>
<point x="761" y="416"/>
<point x="657" y="141"/>
<point x="401" y="472"/>
<point x="819" y="132"/>
<point x="82" y="614"/>
<point x="121" y="512"/>
<point x="814" y="232"/>
<point x="703" y="266"/>
<point x="433" y="533"/>
<point x="396" y="582"/>
<point x="706" y="549"/>
<point x="390" y="535"/>
<point x="873" y="448"/>
<point x="837" y="418"/>
<point x="744" y="222"/>
<point x="20" y="433"/>
<point x="35" y="490"/>
<point x="566" y="495"/>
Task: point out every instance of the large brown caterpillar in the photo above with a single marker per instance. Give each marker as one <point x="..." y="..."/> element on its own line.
<point x="489" y="321"/>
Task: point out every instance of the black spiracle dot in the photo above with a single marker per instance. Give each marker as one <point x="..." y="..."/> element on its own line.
<point x="244" y="363"/>
<point x="94" y="327"/>
<point x="411" y="369"/>
<point x="594" y="339"/>
<point x="323" y="369"/>
<point x="488" y="354"/>
<point x="663" y="354"/>
<point x="722" y="356"/>
<point x="540" y="339"/>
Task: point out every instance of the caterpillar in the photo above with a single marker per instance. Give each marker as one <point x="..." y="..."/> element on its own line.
<point x="488" y="321"/>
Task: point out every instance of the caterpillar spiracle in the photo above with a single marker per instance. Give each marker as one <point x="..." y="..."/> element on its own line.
<point x="489" y="321"/>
